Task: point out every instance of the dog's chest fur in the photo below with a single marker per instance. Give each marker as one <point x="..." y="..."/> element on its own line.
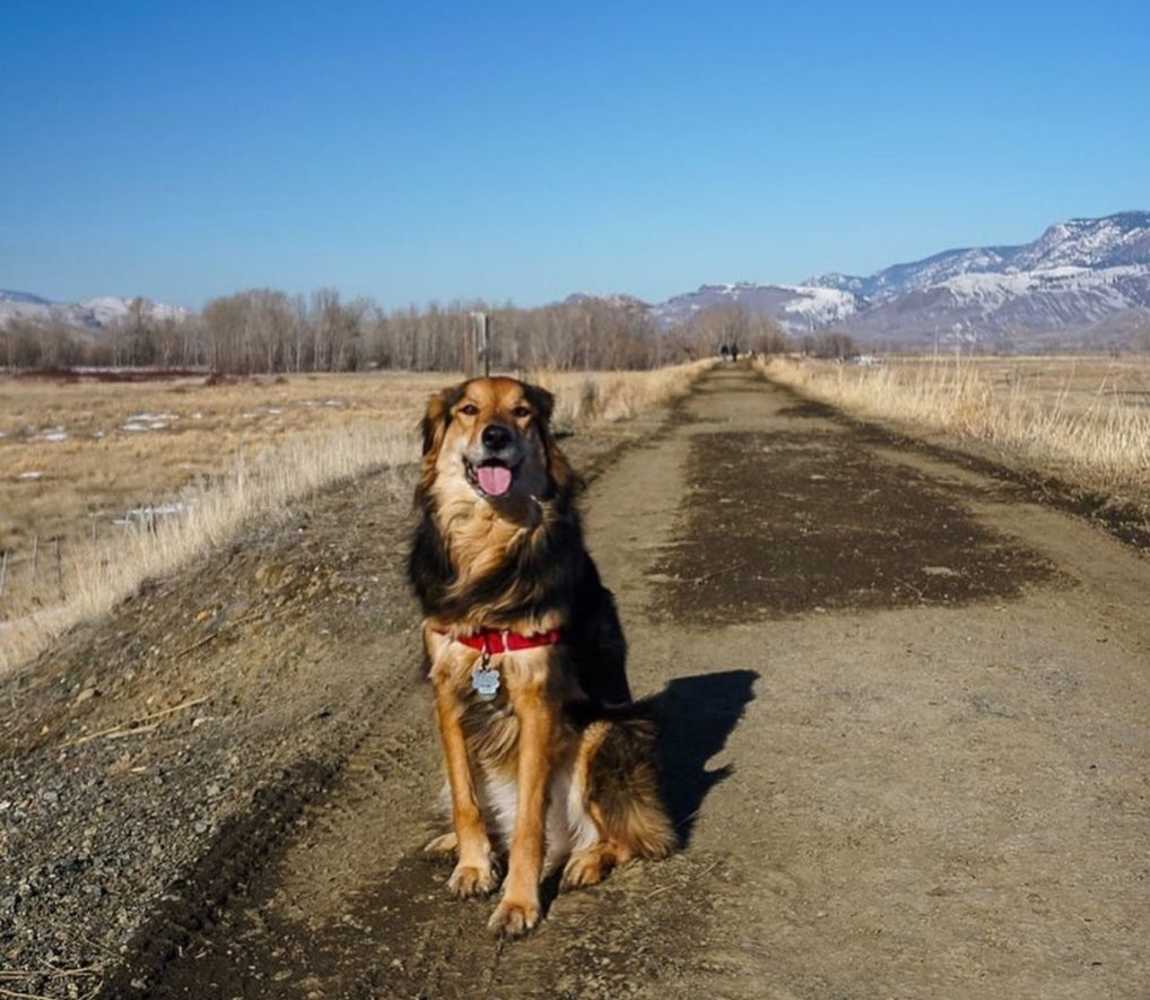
<point x="491" y="727"/>
<point x="477" y="538"/>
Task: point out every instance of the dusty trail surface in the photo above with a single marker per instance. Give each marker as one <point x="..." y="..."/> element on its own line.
<point x="904" y="715"/>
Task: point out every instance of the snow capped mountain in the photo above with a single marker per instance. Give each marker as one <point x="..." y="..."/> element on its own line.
<point x="1067" y="284"/>
<point x="1097" y="244"/>
<point x="91" y="314"/>
<point x="797" y="308"/>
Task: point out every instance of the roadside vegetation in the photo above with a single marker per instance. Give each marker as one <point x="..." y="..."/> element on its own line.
<point x="203" y="485"/>
<point x="1084" y="420"/>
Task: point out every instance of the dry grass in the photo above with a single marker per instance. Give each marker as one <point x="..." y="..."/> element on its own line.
<point x="1084" y="420"/>
<point x="583" y="398"/>
<point x="68" y="466"/>
<point x="239" y="458"/>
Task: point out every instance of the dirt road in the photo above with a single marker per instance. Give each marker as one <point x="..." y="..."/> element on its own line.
<point x="904" y="726"/>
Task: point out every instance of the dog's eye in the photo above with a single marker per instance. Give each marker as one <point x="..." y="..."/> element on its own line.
<point x="469" y="408"/>
<point x="521" y="411"/>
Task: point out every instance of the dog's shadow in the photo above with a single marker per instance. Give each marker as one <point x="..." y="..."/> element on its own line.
<point x="695" y="716"/>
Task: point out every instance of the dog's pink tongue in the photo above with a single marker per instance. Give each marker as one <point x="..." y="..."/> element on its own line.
<point x="495" y="480"/>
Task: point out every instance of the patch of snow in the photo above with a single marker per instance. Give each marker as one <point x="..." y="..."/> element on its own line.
<point x="30" y="475"/>
<point x="821" y="305"/>
<point x="143" y="515"/>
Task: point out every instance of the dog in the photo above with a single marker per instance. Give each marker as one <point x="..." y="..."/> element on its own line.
<point x="547" y="758"/>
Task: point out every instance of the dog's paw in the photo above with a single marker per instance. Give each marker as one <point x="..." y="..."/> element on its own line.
<point x="447" y="844"/>
<point x="513" y="919"/>
<point x="473" y="880"/>
<point x="583" y="869"/>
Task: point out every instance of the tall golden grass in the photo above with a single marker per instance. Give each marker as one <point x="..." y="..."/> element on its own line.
<point x="583" y="398"/>
<point x="1053" y="416"/>
<point x="102" y="573"/>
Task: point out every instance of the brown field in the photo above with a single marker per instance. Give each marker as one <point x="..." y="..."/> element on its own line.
<point x="105" y="483"/>
<point x="1085" y="420"/>
<point x="111" y="460"/>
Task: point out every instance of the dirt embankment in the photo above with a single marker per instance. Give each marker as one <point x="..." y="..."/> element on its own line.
<point x="902" y="713"/>
<point x="150" y="761"/>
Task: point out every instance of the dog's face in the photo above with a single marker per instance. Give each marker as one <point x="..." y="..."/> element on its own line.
<point x="491" y="435"/>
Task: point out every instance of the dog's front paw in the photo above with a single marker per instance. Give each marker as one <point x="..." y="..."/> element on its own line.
<point x="473" y="880"/>
<point x="513" y="918"/>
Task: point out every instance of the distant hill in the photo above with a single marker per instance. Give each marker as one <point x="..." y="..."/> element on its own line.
<point x="1084" y="282"/>
<point x="91" y="315"/>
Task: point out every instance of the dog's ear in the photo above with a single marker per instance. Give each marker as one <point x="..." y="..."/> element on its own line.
<point x="562" y="476"/>
<point x="543" y="403"/>
<point x="437" y="416"/>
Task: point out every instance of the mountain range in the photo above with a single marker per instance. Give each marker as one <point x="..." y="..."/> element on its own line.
<point x="91" y="315"/>
<point x="1082" y="283"/>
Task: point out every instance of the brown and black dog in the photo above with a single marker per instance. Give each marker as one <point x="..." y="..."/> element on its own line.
<point x="546" y="757"/>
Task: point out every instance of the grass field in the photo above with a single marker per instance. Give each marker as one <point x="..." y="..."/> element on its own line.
<point x="105" y="483"/>
<point x="1084" y="420"/>
<point x="77" y="456"/>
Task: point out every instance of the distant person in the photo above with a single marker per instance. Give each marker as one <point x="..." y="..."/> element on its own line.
<point x="734" y="352"/>
<point x="725" y="351"/>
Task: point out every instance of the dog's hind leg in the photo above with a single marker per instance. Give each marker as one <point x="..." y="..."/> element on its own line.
<point x="447" y="843"/>
<point x="615" y="802"/>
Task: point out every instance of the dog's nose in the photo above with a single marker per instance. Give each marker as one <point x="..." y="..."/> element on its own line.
<point x="496" y="436"/>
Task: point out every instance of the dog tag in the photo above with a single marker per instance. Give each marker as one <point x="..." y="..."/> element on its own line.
<point x="485" y="682"/>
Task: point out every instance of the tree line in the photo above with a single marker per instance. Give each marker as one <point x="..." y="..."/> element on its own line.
<point x="269" y="331"/>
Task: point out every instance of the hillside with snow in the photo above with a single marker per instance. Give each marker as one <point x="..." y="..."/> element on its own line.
<point x="91" y="315"/>
<point x="796" y="308"/>
<point x="1084" y="282"/>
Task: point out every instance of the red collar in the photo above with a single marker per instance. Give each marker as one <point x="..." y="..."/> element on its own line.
<point x="492" y="641"/>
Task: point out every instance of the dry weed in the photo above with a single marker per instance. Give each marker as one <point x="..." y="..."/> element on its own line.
<point x="1086" y="421"/>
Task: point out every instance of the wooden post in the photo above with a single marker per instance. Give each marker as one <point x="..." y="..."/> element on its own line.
<point x="59" y="569"/>
<point x="35" y="557"/>
<point x="477" y="345"/>
<point x="3" y="571"/>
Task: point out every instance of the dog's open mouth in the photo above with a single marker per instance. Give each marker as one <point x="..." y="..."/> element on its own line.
<point x="492" y="477"/>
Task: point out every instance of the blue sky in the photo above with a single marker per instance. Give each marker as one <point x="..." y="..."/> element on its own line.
<point x="524" y="151"/>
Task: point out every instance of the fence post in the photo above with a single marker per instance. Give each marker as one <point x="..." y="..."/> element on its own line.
<point x="3" y="571"/>
<point x="477" y="344"/>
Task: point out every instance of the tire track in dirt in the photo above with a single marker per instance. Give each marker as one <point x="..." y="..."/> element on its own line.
<point x="901" y="733"/>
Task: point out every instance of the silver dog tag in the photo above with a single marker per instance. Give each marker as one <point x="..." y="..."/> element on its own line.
<point x="484" y="680"/>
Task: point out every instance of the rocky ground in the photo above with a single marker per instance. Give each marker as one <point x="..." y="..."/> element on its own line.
<point x="903" y="714"/>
